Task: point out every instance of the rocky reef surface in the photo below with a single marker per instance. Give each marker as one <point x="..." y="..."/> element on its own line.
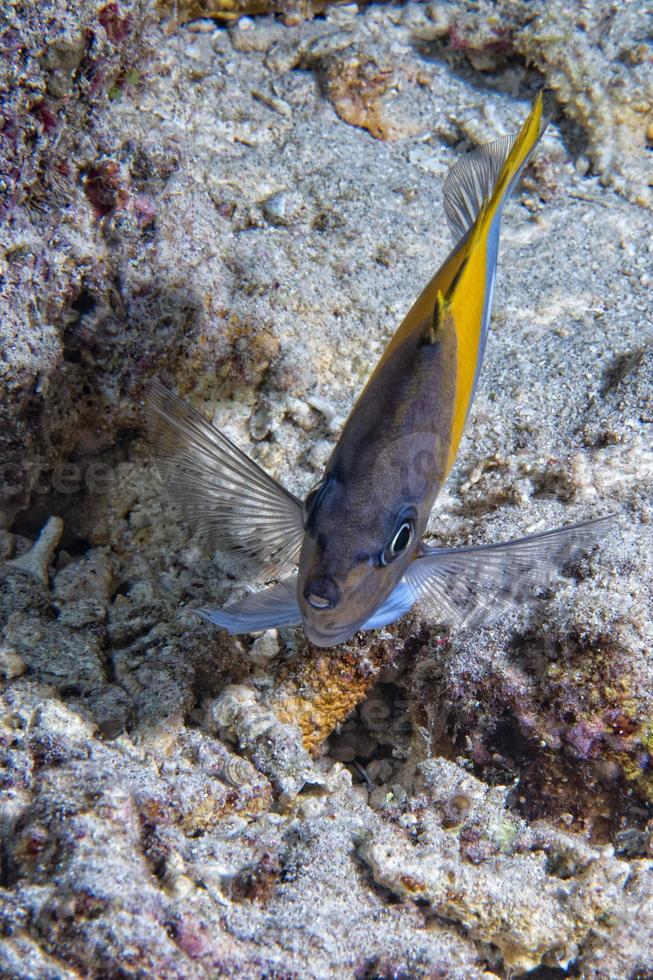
<point x="246" y="212"/>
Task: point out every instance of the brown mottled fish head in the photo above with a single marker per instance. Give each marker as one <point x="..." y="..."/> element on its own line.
<point x="356" y="549"/>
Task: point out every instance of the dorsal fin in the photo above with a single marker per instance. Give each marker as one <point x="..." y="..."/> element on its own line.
<point x="470" y="183"/>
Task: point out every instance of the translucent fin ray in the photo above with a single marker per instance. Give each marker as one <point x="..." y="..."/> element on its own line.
<point x="237" y="508"/>
<point x="268" y="609"/>
<point x="473" y="587"/>
<point x="482" y="182"/>
<point x="470" y="183"/>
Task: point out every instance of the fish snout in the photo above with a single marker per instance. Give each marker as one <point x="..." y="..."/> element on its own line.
<point x="322" y="593"/>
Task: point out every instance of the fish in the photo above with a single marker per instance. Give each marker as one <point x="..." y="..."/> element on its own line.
<point x="352" y="555"/>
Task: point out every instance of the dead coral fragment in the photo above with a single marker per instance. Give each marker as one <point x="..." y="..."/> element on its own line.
<point x="292" y="11"/>
<point x="36" y="561"/>
<point x="103" y="187"/>
<point x="115" y="25"/>
<point x="275" y="747"/>
<point x="356" y="83"/>
<point x="323" y="690"/>
<point x="487" y="47"/>
<point x="499" y="901"/>
<point x="256" y="883"/>
<point x="218" y="784"/>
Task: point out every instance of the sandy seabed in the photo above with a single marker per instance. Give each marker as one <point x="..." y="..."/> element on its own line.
<point x="246" y="210"/>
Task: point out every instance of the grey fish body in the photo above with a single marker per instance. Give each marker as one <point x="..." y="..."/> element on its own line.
<point x="389" y="460"/>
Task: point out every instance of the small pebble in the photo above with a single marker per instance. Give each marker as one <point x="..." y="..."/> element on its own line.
<point x="203" y="26"/>
<point x="264" y="648"/>
<point x="380" y="770"/>
<point x="282" y="208"/>
<point x="7" y="545"/>
<point x="582" y="165"/>
<point x="11" y="664"/>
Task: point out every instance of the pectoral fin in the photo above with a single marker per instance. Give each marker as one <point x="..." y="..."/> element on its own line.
<point x="473" y="587"/>
<point x="396" y="605"/>
<point x="236" y="506"/>
<point x="268" y="609"/>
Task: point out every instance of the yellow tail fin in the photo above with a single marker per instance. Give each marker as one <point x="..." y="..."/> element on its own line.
<point x="524" y="144"/>
<point x="468" y="301"/>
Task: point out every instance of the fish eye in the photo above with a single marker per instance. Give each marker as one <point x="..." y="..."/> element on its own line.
<point x="400" y="540"/>
<point x="313" y="498"/>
